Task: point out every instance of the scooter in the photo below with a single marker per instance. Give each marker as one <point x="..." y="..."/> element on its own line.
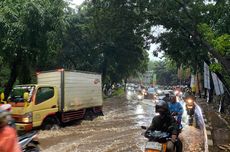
<point x="178" y="121"/>
<point x="190" y="108"/>
<point x="29" y="142"/>
<point x="158" y="141"/>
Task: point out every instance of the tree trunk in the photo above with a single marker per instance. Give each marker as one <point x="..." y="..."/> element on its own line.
<point x="24" y="74"/>
<point x="12" y="79"/>
<point x="125" y="84"/>
<point x="210" y="96"/>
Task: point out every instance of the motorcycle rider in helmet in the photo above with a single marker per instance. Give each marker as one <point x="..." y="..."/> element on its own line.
<point x="8" y="135"/>
<point x="176" y="109"/>
<point x="166" y="123"/>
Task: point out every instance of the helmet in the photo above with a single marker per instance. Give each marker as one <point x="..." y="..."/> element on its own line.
<point x="162" y="106"/>
<point x="6" y="107"/>
<point x="166" y="94"/>
<point x="3" y="117"/>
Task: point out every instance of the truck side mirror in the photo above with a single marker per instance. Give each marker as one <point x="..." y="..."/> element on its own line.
<point x="26" y="96"/>
<point x="2" y="96"/>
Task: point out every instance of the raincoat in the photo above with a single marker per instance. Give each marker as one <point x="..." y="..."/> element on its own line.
<point x="9" y="140"/>
<point x="165" y="124"/>
<point x="176" y="107"/>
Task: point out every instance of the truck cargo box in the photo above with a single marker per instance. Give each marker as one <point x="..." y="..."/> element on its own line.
<point x="77" y="90"/>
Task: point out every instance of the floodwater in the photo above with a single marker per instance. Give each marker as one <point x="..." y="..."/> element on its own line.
<point x="119" y="130"/>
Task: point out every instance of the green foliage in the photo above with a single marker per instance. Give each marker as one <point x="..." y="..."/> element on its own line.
<point x="194" y="31"/>
<point x="222" y="44"/>
<point x="166" y="72"/>
<point x="4" y="74"/>
<point x="207" y="32"/>
<point x="110" y="36"/>
<point x="30" y="36"/>
<point x="118" y="92"/>
<point x="110" y="39"/>
<point x="216" y="67"/>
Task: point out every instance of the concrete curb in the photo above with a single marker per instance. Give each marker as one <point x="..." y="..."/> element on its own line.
<point x="207" y="129"/>
<point x="210" y="144"/>
<point x="207" y="134"/>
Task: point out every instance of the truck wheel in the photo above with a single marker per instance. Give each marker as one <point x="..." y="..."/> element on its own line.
<point x="32" y="148"/>
<point x="100" y="114"/>
<point x="89" y="115"/>
<point x="51" y="123"/>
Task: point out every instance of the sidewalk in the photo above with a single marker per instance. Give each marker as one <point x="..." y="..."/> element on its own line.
<point x="217" y="128"/>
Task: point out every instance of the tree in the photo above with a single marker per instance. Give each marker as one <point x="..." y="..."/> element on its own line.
<point x="30" y="35"/>
<point x="107" y="37"/>
<point x="166" y="71"/>
<point x="187" y="39"/>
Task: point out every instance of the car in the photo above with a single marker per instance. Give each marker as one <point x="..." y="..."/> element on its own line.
<point x="150" y="93"/>
<point x="161" y="94"/>
<point x="151" y="90"/>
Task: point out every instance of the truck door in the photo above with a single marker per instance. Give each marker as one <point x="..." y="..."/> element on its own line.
<point x="45" y="104"/>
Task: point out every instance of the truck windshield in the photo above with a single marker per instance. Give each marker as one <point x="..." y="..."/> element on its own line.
<point x="16" y="94"/>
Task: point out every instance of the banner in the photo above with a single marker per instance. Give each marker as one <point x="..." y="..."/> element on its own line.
<point x="193" y="81"/>
<point x="206" y="76"/>
<point x="218" y="85"/>
<point x="154" y="79"/>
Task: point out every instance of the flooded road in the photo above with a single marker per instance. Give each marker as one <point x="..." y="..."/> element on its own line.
<point x="117" y="131"/>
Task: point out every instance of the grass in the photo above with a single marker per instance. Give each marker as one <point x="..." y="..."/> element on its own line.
<point x="118" y="92"/>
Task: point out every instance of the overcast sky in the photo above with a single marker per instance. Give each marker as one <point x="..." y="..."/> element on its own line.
<point x="76" y="2"/>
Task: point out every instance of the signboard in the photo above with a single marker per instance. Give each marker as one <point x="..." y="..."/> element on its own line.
<point x="218" y="85"/>
<point x="206" y="76"/>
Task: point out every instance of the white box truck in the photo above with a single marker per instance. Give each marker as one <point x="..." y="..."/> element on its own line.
<point x="59" y="96"/>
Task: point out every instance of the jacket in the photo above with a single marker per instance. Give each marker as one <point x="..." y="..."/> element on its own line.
<point x="165" y="124"/>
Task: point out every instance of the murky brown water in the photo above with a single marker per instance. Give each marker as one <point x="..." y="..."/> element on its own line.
<point x="117" y="131"/>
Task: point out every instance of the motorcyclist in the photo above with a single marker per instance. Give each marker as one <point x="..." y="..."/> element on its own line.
<point x="167" y="97"/>
<point x="166" y="123"/>
<point x="176" y="109"/>
<point x="189" y="95"/>
<point x="8" y="135"/>
<point x="10" y="120"/>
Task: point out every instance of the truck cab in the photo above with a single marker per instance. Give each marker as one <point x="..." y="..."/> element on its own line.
<point x="31" y="104"/>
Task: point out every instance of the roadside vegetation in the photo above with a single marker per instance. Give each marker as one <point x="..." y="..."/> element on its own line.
<point x="111" y="37"/>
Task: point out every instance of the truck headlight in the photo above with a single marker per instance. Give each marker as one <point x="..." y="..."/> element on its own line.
<point x="28" y="117"/>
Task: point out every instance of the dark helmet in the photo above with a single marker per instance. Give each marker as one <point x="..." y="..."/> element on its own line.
<point x="162" y="106"/>
<point x="166" y="94"/>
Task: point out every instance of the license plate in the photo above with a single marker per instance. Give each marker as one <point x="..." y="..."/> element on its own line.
<point x="153" y="145"/>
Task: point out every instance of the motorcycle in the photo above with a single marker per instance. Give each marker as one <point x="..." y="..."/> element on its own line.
<point x="178" y="121"/>
<point x="141" y="94"/>
<point x="158" y="141"/>
<point x="29" y="142"/>
<point x="190" y="108"/>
